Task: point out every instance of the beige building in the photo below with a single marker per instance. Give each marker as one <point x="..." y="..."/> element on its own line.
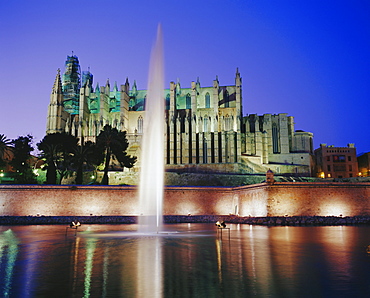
<point x="272" y="140"/>
<point x="204" y="126"/>
<point x="336" y="162"/>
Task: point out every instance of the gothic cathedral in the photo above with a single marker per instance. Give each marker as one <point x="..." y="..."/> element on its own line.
<point x="205" y="130"/>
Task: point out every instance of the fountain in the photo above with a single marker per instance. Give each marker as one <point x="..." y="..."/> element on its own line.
<point x="152" y="154"/>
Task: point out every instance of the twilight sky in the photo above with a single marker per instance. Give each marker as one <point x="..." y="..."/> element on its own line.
<point x="309" y="59"/>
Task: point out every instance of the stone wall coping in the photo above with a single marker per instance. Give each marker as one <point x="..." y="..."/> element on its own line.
<point x="225" y="188"/>
<point x="71" y="187"/>
<point x="321" y="184"/>
<point x="121" y="187"/>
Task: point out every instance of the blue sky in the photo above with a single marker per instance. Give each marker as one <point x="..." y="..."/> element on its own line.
<point x="309" y="59"/>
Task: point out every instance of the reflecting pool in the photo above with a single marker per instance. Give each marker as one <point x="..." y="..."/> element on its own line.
<point x="188" y="260"/>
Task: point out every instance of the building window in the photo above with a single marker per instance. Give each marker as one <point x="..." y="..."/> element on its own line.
<point x="188" y="101"/>
<point x="350" y="168"/>
<point x="349" y="158"/>
<point x="140" y="124"/>
<point x="328" y="158"/>
<point x="205" y="124"/>
<point x="168" y="102"/>
<point x="329" y="169"/>
<point x="228" y="125"/>
<point x="339" y="158"/>
<point x="275" y="139"/>
<point x="144" y="103"/>
<point x="208" y="100"/>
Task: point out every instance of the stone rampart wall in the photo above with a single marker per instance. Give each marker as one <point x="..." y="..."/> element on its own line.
<point x="319" y="199"/>
<point x="258" y="200"/>
<point x="63" y="200"/>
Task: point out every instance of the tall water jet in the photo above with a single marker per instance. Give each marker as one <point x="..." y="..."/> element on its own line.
<point x="152" y="154"/>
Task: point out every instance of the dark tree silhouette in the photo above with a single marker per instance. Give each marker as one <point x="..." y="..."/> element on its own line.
<point x="84" y="157"/>
<point x="56" y="150"/>
<point x="5" y="150"/>
<point x="22" y="148"/>
<point x="114" y="144"/>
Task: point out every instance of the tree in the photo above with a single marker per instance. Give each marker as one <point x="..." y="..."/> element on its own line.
<point x="56" y="150"/>
<point x="113" y="143"/>
<point x="5" y="150"/>
<point x="84" y="157"/>
<point x="22" y="148"/>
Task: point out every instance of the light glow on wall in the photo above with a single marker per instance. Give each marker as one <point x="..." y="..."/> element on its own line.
<point x="223" y="206"/>
<point x="255" y="207"/>
<point x="187" y="208"/>
<point x="335" y="209"/>
<point x="94" y="210"/>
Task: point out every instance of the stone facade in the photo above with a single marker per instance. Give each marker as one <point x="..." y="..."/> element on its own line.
<point x="204" y="126"/>
<point x="271" y="140"/>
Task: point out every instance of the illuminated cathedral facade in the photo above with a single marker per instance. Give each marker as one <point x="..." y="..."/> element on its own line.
<point x="205" y="130"/>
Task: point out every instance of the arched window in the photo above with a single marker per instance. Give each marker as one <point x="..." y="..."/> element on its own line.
<point x="140" y="124"/>
<point x="205" y="124"/>
<point x="167" y="101"/>
<point x="253" y="146"/>
<point x="228" y="123"/>
<point x="188" y="101"/>
<point x="208" y="101"/>
<point x="275" y="139"/>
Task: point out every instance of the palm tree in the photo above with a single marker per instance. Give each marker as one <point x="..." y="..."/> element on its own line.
<point x="22" y="148"/>
<point x="114" y="144"/>
<point x="84" y="157"/>
<point x="5" y="150"/>
<point x="56" y="150"/>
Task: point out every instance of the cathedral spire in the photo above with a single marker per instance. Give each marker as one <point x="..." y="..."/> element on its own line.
<point x="57" y="87"/>
<point x="134" y="88"/>
<point x="56" y="113"/>
<point x="238" y="80"/>
<point x="107" y="87"/>
<point x="197" y="84"/>
<point x="178" y="87"/>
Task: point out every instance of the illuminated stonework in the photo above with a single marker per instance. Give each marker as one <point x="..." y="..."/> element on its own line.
<point x="204" y="126"/>
<point x="279" y="199"/>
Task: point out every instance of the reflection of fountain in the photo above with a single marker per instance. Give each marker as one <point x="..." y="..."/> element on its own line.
<point x="149" y="276"/>
<point x="152" y="158"/>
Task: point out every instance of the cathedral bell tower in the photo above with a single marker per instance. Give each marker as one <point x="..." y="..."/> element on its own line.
<point x="57" y="117"/>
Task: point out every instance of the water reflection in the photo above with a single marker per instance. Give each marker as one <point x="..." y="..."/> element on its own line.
<point x="149" y="267"/>
<point x="39" y="261"/>
<point x="90" y="249"/>
<point x="8" y="249"/>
